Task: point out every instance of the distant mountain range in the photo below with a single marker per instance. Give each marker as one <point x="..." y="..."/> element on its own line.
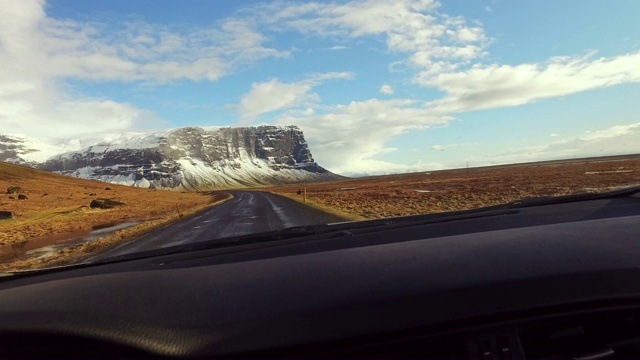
<point x="190" y="158"/>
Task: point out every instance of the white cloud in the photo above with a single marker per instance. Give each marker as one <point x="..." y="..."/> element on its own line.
<point x="554" y="134"/>
<point x="317" y="78"/>
<point x="449" y="146"/>
<point x="125" y="51"/>
<point x="612" y="132"/>
<point x="434" y="42"/>
<point x="331" y="48"/>
<point x="376" y="167"/>
<point x="481" y="87"/>
<point x="77" y="117"/>
<point x="494" y="86"/>
<point x="615" y="140"/>
<point x="145" y="52"/>
<point x="386" y="89"/>
<point x="39" y="53"/>
<point x="275" y="95"/>
<point x="348" y="138"/>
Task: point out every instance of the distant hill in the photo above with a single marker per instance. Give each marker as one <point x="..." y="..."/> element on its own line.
<point x="30" y="178"/>
<point x="49" y="192"/>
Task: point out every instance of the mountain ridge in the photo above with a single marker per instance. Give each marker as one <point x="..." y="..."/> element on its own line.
<point x="188" y="158"/>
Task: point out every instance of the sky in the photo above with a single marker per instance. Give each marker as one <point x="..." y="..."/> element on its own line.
<point x="377" y="86"/>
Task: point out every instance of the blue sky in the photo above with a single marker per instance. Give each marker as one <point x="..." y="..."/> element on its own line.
<point x="376" y="85"/>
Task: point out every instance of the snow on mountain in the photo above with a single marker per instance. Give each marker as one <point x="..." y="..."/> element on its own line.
<point x="191" y="158"/>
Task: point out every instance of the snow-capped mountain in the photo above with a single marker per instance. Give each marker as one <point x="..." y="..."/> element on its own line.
<point x="190" y="158"/>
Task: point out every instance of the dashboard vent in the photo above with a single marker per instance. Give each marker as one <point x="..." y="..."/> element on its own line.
<point x="504" y="346"/>
<point x="594" y="337"/>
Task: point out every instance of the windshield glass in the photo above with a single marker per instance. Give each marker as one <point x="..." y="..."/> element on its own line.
<point x="129" y="126"/>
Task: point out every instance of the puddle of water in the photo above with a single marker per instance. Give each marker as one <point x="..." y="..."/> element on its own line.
<point x="13" y="251"/>
<point x="98" y="233"/>
<point x="47" y="245"/>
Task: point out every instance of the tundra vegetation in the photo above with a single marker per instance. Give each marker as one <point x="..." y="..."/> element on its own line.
<point x="462" y="189"/>
<point x="56" y="205"/>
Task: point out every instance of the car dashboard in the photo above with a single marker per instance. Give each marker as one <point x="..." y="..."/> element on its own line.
<point x="554" y="281"/>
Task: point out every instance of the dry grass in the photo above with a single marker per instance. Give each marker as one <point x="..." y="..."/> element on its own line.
<point x="440" y="191"/>
<point x="58" y="204"/>
<point x="76" y="254"/>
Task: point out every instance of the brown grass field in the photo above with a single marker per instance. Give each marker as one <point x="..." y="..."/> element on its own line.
<point x="461" y="189"/>
<point x="58" y="206"/>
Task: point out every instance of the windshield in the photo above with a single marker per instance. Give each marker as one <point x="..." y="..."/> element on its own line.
<point x="129" y="126"/>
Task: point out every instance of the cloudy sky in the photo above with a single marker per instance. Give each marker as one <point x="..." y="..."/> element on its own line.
<point x="376" y="85"/>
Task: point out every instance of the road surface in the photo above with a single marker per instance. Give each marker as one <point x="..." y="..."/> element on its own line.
<point x="248" y="212"/>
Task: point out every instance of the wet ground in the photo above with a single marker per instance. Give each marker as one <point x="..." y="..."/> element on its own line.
<point x="47" y="245"/>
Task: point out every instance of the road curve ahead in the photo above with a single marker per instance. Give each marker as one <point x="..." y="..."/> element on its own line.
<point x="248" y="212"/>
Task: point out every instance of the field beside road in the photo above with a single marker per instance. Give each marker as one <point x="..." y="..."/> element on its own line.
<point x="461" y="189"/>
<point x="58" y="207"/>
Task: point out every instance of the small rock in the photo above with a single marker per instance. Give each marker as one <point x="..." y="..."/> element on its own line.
<point x="92" y="194"/>
<point x="14" y="190"/>
<point x="6" y="215"/>
<point x="12" y="198"/>
<point x="107" y="188"/>
<point x="22" y="197"/>
<point x="45" y="194"/>
<point x="104" y="203"/>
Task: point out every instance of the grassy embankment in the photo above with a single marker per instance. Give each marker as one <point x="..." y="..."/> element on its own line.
<point x="461" y="189"/>
<point x="58" y="205"/>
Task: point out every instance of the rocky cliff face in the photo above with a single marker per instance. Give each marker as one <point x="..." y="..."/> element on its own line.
<point x="195" y="158"/>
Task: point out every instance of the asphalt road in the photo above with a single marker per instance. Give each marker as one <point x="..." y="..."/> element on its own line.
<point x="248" y="212"/>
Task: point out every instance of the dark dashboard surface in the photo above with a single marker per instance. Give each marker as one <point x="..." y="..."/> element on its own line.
<point x="328" y="293"/>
